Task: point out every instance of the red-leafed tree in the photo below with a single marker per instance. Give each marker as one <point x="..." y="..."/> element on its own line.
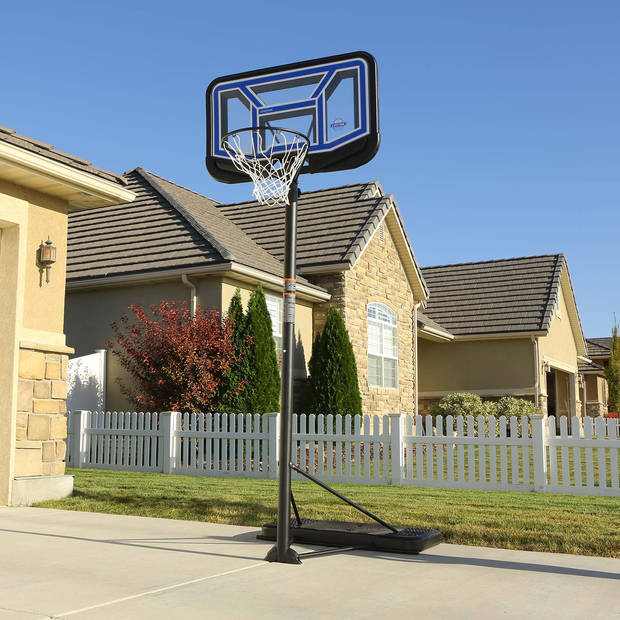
<point x="175" y="362"/>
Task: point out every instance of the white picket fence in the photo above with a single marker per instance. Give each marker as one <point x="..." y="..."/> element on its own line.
<point x="500" y="455"/>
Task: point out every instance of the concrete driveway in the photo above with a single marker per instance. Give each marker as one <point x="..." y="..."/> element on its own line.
<point x="59" y="564"/>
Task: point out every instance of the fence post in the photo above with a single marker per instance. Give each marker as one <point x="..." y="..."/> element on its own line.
<point x="169" y="424"/>
<point x="397" y="421"/>
<point x="273" y="433"/>
<point x="78" y="438"/>
<point x="539" y="455"/>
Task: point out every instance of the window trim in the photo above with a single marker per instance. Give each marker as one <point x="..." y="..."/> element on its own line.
<point x="383" y="324"/>
<point x="277" y="331"/>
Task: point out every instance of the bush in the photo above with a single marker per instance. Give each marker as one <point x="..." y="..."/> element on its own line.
<point x="175" y="362"/>
<point x="263" y="381"/>
<point x="465" y="403"/>
<point x="333" y="386"/>
<point x="509" y="406"/>
<point x="233" y="400"/>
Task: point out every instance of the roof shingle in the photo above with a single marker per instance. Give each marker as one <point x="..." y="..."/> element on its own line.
<point x="499" y="296"/>
<point x="10" y="136"/>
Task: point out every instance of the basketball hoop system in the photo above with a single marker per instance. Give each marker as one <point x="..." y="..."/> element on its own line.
<point x="271" y="156"/>
<point x="305" y="94"/>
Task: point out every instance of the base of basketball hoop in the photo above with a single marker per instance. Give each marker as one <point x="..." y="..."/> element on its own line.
<point x="290" y="556"/>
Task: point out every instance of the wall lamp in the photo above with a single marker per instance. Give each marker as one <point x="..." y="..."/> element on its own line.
<point x="47" y="257"/>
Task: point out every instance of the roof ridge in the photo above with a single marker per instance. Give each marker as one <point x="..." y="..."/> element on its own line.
<point x="492" y="260"/>
<point x="181" y="186"/>
<point x="375" y="217"/>
<point x="224" y="252"/>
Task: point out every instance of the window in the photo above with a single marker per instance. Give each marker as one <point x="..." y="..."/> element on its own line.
<point x="382" y="346"/>
<point x="274" y="305"/>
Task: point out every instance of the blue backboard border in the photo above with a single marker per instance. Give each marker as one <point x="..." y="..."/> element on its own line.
<point x="359" y="146"/>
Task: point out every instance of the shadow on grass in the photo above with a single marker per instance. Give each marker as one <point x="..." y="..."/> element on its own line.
<point x="237" y="512"/>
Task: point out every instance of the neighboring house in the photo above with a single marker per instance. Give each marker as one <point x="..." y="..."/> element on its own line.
<point x="595" y="391"/>
<point x="515" y="331"/>
<point x="352" y="242"/>
<point x="172" y="243"/>
<point x="39" y="186"/>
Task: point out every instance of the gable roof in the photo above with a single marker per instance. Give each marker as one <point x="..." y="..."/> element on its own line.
<point x="10" y="136"/>
<point x="506" y="296"/>
<point x="167" y="227"/>
<point x="598" y="347"/>
<point x="334" y="225"/>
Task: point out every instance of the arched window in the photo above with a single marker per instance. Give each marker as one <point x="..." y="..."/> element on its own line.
<point x="382" y="346"/>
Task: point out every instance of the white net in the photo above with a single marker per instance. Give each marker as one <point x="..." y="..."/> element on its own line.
<point x="271" y="157"/>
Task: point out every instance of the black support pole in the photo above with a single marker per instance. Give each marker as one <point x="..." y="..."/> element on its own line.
<point x="281" y="551"/>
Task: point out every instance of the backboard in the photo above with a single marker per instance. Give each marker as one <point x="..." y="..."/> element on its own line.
<point x="332" y="101"/>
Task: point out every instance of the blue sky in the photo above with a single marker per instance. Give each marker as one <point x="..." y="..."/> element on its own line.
<point x="499" y="120"/>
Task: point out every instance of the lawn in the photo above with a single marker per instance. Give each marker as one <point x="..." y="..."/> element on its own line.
<point x="538" y="522"/>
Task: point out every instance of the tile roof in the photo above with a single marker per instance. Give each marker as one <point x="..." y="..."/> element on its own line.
<point x="333" y="224"/>
<point x="598" y="347"/>
<point x="47" y="150"/>
<point x="166" y="227"/>
<point x="591" y="368"/>
<point x="499" y="296"/>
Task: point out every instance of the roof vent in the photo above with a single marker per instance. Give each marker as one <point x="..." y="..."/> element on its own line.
<point x="381" y="233"/>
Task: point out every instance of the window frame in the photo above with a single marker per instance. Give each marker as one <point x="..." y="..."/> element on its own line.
<point x="385" y="323"/>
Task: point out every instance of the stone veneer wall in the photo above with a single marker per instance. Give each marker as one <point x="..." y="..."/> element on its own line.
<point x="378" y="276"/>
<point x="41" y="410"/>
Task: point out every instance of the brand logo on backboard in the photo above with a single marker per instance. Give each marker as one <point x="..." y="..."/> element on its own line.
<point x="338" y="123"/>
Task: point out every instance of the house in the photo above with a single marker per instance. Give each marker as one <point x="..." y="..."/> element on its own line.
<point x="515" y="331"/>
<point x="595" y="391"/>
<point x="39" y="187"/>
<point x="353" y="252"/>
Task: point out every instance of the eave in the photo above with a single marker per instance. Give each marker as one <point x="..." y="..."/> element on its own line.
<point x="80" y="189"/>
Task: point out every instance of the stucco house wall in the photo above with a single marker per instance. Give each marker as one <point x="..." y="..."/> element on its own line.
<point x="491" y="368"/>
<point x="38" y="188"/>
<point x="558" y="351"/>
<point x="90" y="312"/>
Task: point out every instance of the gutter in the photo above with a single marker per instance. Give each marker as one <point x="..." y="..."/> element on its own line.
<point x="536" y="370"/>
<point x="415" y="353"/>
<point x="304" y="291"/>
<point x="192" y="294"/>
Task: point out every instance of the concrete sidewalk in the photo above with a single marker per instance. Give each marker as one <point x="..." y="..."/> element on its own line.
<point x="57" y="564"/>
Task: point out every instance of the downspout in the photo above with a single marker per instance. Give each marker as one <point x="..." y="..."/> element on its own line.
<point x="536" y="371"/>
<point x="415" y="356"/>
<point x="192" y="294"/>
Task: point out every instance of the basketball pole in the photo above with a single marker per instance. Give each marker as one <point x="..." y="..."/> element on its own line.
<point x="281" y="551"/>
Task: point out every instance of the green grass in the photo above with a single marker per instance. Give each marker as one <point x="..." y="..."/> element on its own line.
<point x="539" y="522"/>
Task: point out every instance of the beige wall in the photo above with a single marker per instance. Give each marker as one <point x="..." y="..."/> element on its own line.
<point x="89" y="313"/>
<point x="43" y="303"/>
<point x="558" y="350"/>
<point x="378" y="276"/>
<point x="32" y="385"/>
<point x="13" y="226"/>
<point x="559" y="344"/>
<point x="486" y="367"/>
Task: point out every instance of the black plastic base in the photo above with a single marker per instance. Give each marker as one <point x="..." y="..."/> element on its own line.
<point x="371" y="536"/>
<point x="290" y="557"/>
